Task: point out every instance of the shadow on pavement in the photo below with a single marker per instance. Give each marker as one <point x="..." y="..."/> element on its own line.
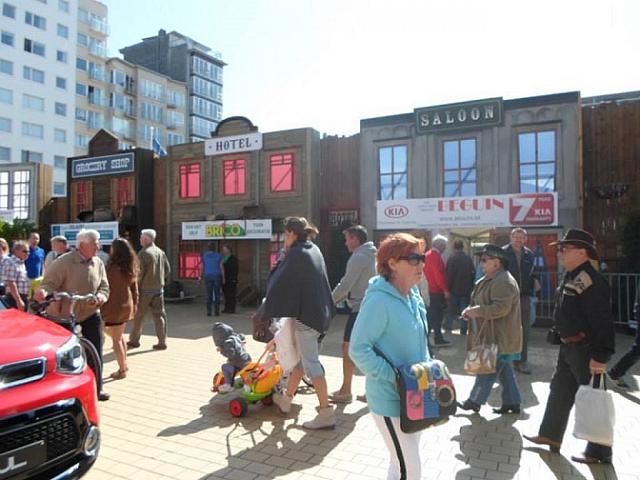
<point x="505" y="441"/>
<point x="270" y="433"/>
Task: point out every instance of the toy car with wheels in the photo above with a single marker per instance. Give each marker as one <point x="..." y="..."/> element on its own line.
<point x="256" y="382"/>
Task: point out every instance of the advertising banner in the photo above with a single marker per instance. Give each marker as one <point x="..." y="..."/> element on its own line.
<point x="108" y="230"/>
<point x="482" y="211"/>
<point x="231" y="229"/>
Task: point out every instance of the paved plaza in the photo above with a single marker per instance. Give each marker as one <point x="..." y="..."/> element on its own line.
<point x="163" y="422"/>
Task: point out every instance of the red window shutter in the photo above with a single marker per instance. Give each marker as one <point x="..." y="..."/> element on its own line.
<point x="235" y="177"/>
<point x="281" y="172"/>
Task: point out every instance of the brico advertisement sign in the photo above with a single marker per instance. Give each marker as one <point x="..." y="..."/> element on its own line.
<point x="231" y="229"/>
<point x="482" y="211"/>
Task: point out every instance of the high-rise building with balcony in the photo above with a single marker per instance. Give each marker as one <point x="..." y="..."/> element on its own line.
<point x="37" y="80"/>
<point x="91" y="73"/>
<point x="143" y="104"/>
<point x="182" y="58"/>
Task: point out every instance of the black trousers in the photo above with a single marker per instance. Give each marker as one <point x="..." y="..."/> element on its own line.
<point x="629" y="358"/>
<point x="92" y="331"/>
<point x="436" y="314"/>
<point x="572" y="370"/>
<point x="229" y="290"/>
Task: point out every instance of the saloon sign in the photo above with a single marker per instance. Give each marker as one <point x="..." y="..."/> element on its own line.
<point x="456" y="116"/>
<point x="234" y="229"/>
<point x="232" y="144"/>
<point x="483" y="211"/>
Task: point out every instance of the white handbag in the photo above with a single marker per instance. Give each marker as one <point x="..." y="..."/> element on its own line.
<point x="285" y="339"/>
<point x="595" y="413"/>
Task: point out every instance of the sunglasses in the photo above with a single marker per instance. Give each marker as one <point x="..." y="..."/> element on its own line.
<point x="486" y="259"/>
<point x="413" y="258"/>
<point x="562" y="248"/>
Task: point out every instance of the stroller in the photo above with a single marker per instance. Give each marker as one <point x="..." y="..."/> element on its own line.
<point x="256" y="382"/>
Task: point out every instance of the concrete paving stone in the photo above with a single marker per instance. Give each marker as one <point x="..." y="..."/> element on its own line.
<point x="281" y="462"/>
<point x="493" y="475"/>
<point x="234" y="474"/>
<point x="260" y="468"/>
<point x="181" y="419"/>
<point x="331" y="473"/>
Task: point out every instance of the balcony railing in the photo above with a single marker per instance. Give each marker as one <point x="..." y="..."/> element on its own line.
<point x="99" y="26"/>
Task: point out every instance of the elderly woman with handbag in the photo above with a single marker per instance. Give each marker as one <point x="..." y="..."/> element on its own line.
<point x="494" y="315"/>
<point x="392" y="319"/>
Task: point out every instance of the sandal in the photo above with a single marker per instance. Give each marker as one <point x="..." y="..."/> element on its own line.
<point x="119" y="375"/>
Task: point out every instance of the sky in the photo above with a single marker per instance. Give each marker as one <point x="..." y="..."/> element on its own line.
<point x="327" y="64"/>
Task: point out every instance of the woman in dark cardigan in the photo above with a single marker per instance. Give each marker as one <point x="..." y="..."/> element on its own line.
<point x="299" y="288"/>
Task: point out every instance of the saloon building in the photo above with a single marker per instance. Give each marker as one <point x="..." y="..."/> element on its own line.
<point x="474" y="170"/>
<point x="236" y="188"/>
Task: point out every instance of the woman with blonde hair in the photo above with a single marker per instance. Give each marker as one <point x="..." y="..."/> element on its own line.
<point x="122" y="273"/>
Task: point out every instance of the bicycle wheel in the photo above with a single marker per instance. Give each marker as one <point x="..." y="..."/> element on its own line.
<point x="93" y="361"/>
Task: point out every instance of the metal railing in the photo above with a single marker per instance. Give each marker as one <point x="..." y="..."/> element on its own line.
<point x="623" y="287"/>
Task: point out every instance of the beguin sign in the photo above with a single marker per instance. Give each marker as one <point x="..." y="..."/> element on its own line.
<point x="458" y="116"/>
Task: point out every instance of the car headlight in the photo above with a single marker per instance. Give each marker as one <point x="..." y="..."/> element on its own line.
<point x="70" y="357"/>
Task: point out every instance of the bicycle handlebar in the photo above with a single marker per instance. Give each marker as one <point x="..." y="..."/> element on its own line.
<point x="57" y="296"/>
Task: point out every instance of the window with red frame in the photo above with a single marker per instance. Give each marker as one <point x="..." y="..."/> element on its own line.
<point x="122" y="193"/>
<point x="81" y="197"/>
<point x="190" y="180"/>
<point x="235" y="175"/>
<point x="282" y="172"/>
<point x="189" y="259"/>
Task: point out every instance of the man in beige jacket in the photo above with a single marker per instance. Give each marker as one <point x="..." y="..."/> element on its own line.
<point x="154" y="273"/>
<point x="80" y="272"/>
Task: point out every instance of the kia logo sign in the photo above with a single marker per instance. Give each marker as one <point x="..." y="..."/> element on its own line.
<point x="396" y="211"/>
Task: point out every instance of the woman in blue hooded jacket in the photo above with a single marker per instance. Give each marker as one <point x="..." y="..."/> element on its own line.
<point x="392" y="318"/>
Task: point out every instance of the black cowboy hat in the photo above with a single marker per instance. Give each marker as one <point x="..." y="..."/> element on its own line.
<point x="581" y="239"/>
<point x="494" y="251"/>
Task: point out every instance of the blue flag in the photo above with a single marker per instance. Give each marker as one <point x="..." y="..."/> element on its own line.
<point x="158" y="148"/>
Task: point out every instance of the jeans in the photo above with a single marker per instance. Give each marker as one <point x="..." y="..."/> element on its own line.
<point x="484" y="383"/>
<point x="214" y="288"/>
<point x="525" y="313"/>
<point x="457" y="303"/>
<point x="436" y="314"/>
<point x="572" y="370"/>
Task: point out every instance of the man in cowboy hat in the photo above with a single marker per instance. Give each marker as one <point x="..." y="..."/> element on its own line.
<point x="584" y="324"/>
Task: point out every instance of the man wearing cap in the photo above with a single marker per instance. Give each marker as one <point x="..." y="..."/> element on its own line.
<point x="584" y="324"/>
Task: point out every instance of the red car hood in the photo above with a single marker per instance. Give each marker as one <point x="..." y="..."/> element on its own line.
<point x="24" y="336"/>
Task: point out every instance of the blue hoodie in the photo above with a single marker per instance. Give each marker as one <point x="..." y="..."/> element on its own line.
<point x="397" y="326"/>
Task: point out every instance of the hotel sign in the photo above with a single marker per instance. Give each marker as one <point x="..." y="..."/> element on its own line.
<point x="482" y="211"/>
<point x="233" y="144"/>
<point x="107" y="165"/>
<point x="230" y="229"/>
<point x="458" y="116"/>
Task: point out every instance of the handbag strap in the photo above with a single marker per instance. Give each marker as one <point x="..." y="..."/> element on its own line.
<point x="601" y="383"/>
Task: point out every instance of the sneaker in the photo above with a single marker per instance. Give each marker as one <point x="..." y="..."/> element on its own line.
<point x="131" y="345"/>
<point x="325" y="419"/>
<point x="283" y="401"/>
<point x="338" y="397"/>
<point x="160" y="346"/>
<point x="442" y="342"/>
<point x="362" y="398"/>
<point x="225" y="388"/>
<point x="522" y="368"/>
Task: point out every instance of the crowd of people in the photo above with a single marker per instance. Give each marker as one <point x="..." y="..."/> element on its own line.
<point x="418" y="295"/>
<point x="402" y="297"/>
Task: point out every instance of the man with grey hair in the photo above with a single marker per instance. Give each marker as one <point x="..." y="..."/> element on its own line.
<point x="14" y="276"/>
<point x="154" y="273"/>
<point x="80" y="272"/>
<point x="436" y="275"/>
<point x="58" y="247"/>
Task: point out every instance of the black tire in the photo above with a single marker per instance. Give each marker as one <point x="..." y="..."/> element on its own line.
<point x="93" y="361"/>
<point x="307" y="381"/>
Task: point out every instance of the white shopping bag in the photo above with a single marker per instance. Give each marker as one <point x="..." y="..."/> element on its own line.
<point x="595" y="413"/>
<point x="288" y="354"/>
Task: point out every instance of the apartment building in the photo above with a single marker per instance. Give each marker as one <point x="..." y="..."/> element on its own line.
<point x="37" y="77"/>
<point x="182" y="58"/>
<point x="91" y="98"/>
<point x="143" y="104"/>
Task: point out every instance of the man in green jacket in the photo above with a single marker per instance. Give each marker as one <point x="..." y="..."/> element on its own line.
<point x="154" y="273"/>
